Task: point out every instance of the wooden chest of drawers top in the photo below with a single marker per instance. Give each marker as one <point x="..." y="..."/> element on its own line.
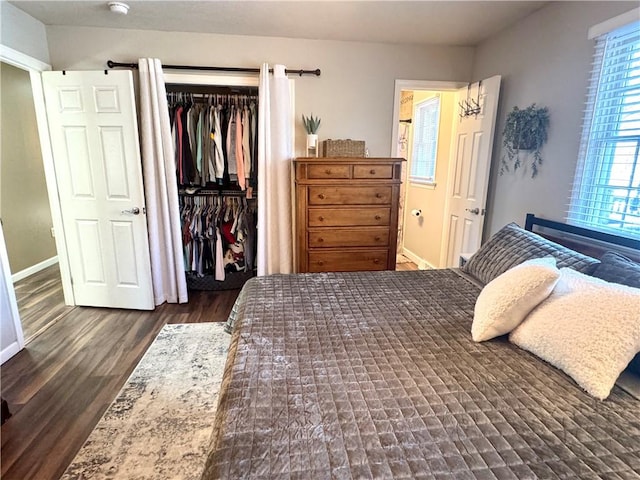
<point x="347" y="170"/>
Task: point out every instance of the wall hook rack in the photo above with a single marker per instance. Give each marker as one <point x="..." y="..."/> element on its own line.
<point x="470" y="106"/>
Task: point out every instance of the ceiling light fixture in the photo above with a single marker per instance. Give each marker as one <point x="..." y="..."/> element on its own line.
<point x="118" y="7"/>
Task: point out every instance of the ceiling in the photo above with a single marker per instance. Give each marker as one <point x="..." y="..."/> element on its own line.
<point x="413" y="22"/>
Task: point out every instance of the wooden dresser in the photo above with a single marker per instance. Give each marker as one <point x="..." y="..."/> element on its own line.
<point x="347" y="213"/>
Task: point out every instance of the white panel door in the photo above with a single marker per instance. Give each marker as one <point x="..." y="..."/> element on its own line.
<point x="94" y="136"/>
<point x="469" y="170"/>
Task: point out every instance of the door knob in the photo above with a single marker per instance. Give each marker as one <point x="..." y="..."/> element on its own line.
<point x="133" y="211"/>
<point x="475" y="211"/>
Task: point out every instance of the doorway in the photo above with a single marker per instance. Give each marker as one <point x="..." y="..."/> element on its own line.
<point x="426" y="145"/>
<point x="473" y="113"/>
<point x="25" y="209"/>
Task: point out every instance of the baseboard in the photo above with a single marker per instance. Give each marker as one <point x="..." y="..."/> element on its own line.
<point x="419" y="261"/>
<point x="34" y="269"/>
<point x="9" y="351"/>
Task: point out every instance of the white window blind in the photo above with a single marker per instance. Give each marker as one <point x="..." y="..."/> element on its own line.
<point x="425" y="141"/>
<point x="606" y="192"/>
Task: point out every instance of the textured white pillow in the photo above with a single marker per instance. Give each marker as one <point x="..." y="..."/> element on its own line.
<point x="587" y="327"/>
<point x="507" y="299"/>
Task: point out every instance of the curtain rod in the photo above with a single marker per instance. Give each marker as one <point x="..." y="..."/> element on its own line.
<point x="316" y="72"/>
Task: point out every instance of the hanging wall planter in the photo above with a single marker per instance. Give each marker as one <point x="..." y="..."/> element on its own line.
<point x="525" y="132"/>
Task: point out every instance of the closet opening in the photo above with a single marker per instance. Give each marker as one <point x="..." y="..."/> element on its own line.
<point x="214" y="130"/>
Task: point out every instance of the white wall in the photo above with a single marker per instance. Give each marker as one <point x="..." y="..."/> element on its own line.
<point x="22" y="32"/>
<point x="353" y="96"/>
<point x="546" y="59"/>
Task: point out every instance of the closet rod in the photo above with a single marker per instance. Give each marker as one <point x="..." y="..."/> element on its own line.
<point x="316" y="72"/>
<point x="216" y="193"/>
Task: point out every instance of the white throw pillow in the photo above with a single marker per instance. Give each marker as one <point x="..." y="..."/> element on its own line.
<point x="507" y="299"/>
<point x="587" y="327"/>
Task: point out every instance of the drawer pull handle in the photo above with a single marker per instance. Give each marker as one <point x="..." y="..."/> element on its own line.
<point x="378" y="195"/>
<point x="321" y="196"/>
<point x="327" y="171"/>
<point x="377" y="239"/>
<point x="320" y="240"/>
<point x="321" y="218"/>
<point x="376" y="261"/>
<point x="372" y="171"/>
<point x="378" y="217"/>
<point x="320" y="262"/>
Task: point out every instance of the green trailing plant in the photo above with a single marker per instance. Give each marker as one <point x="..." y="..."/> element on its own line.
<point x="311" y="124"/>
<point x="524" y="130"/>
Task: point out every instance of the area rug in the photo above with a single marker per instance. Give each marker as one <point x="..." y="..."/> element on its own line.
<point x="159" y="425"/>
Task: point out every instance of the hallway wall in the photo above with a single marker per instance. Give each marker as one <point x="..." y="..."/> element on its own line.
<point x="24" y="204"/>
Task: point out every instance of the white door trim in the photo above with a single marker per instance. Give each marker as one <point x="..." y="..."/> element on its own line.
<point x="35" y="67"/>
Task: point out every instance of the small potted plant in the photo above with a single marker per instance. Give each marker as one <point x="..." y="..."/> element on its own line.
<point x="311" y="125"/>
<point x="524" y="131"/>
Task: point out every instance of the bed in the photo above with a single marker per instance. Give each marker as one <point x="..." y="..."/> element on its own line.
<point x="375" y="375"/>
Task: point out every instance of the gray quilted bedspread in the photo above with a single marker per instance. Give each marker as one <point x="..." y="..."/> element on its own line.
<point x="375" y="375"/>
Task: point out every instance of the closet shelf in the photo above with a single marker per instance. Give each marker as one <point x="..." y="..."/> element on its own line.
<point x="216" y="192"/>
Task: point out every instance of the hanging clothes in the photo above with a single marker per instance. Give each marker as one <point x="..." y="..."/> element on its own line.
<point x="215" y="140"/>
<point x="218" y="235"/>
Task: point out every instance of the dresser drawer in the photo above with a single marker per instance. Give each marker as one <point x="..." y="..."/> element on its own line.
<point x="348" y="260"/>
<point x="346" y="217"/>
<point x="324" y="195"/>
<point x="328" y="171"/>
<point x="352" y="237"/>
<point x="372" y="171"/>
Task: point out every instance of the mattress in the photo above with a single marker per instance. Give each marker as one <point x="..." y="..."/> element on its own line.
<point x="374" y="375"/>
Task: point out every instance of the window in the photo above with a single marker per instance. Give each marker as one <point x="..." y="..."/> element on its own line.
<point x="606" y="193"/>
<point x="425" y="141"/>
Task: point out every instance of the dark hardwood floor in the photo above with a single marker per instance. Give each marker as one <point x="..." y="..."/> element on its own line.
<point x="40" y="301"/>
<point x="59" y="386"/>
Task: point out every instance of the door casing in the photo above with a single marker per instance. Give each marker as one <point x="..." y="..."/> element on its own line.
<point x="35" y="67"/>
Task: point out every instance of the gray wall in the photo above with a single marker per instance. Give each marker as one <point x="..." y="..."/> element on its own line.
<point x="543" y="59"/>
<point x="24" y="204"/>
<point x="22" y="32"/>
<point x="354" y="95"/>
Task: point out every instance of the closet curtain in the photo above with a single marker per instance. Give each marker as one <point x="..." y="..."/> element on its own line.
<point x="160" y="187"/>
<point x="275" y="152"/>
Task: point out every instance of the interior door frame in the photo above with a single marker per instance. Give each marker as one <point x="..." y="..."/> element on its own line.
<point x="35" y="67"/>
<point x="400" y="85"/>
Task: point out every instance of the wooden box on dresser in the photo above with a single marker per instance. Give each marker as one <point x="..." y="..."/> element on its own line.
<point x="347" y="213"/>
